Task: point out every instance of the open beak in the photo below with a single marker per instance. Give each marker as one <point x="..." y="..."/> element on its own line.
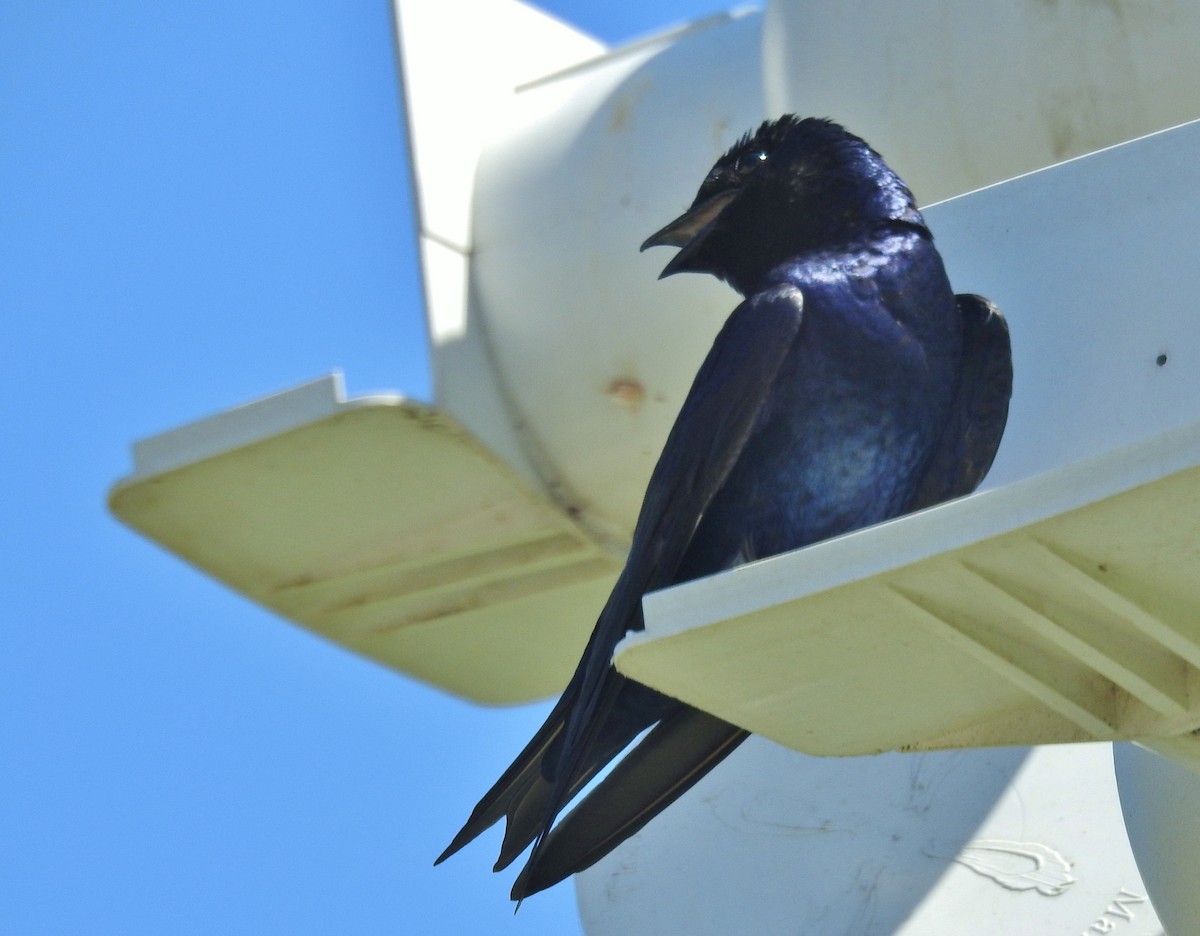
<point x="689" y="231"/>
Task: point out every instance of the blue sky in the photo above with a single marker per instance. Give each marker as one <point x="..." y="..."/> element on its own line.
<point x="201" y="204"/>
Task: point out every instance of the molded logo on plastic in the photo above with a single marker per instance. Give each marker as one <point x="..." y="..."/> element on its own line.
<point x="1019" y="866"/>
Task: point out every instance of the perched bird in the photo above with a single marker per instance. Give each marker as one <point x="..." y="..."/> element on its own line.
<point x="850" y="386"/>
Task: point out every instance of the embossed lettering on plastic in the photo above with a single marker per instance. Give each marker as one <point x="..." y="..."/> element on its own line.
<point x="1118" y="911"/>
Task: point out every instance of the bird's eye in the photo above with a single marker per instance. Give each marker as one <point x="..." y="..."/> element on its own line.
<point x="749" y="161"/>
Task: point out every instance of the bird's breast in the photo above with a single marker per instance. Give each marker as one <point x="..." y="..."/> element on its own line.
<point x="850" y="421"/>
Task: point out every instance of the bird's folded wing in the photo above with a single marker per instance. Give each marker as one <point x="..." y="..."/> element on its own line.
<point x="705" y="442"/>
<point x="979" y="409"/>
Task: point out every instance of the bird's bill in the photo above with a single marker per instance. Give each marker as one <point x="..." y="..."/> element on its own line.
<point x="689" y="230"/>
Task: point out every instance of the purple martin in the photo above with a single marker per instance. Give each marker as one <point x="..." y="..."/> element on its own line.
<point x="851" y="385"/>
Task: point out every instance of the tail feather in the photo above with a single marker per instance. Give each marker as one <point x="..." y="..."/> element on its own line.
<point x="524" y="774"/>
<point x="681" y="749"/>
<point x="528" y="811"/>
<point x="528" y="794"/>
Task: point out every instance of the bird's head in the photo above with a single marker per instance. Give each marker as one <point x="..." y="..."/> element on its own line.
<point x="792" y="187"/>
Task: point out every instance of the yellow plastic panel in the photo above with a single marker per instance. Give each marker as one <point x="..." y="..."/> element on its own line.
<point x="380" y="524"/>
